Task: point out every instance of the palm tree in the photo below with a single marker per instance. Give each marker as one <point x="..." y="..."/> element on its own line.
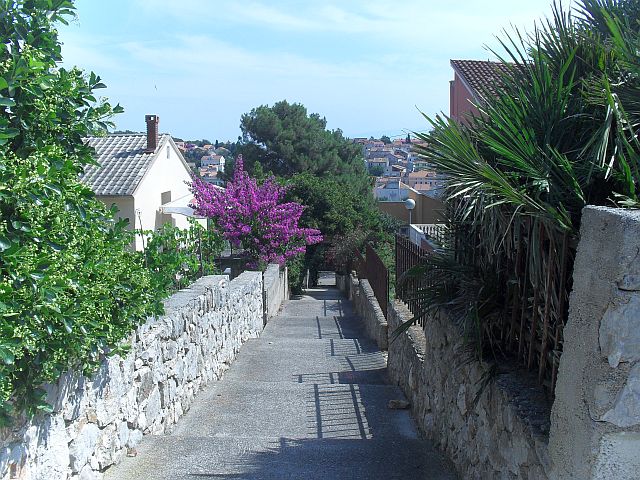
<point x="561" y="132"/>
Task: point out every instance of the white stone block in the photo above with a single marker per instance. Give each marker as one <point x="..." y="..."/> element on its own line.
<point x="620" y="331"/>
<point x="82" y="448"/>
<point x="626" y="407"/>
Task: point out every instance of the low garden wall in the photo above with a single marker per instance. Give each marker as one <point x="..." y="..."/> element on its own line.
<point x="503" y="433"/>
<point x="495" y="431"/>
<point x="98" y="420"/>
<point x="364" y="301"/>
<point x="276" y="287"/>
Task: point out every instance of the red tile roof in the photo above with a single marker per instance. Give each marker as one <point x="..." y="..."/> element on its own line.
<point x="481" y="76"/>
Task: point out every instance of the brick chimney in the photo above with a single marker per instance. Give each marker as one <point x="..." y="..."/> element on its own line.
<point x="152" y="132"/>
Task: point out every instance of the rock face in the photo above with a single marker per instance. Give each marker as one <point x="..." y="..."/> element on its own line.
<point x="97" y="421"/>
<point x="499" y="432"/>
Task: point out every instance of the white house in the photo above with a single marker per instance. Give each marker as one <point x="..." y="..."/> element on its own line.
<point x="144" y="175"/>
<point x="215" y="161"/>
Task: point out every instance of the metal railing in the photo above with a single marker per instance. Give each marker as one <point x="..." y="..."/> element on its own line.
<point x="408" y="256"/>
<point x="378" y="277"/>
<point x="372" y="268"/>
<point x="433" y="231"/>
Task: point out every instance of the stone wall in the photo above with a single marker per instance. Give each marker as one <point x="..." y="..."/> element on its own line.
<point x="342" y="282"/>
<point x="503" y="433"/>
<point x="365" y="303"/>
<point x="276" y="288"/>
<point x="499" y="431"/>
<point x="595" y="431"/>
<point x="98" y="420"/>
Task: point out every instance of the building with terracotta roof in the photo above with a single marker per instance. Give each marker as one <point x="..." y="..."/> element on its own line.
<point x="473" y="80"/>
<point x="140" y="174"/>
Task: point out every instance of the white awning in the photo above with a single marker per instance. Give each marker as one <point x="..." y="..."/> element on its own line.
<point x="180" y="206"/>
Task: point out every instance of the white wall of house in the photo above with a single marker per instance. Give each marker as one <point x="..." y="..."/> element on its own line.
<point x="125" y="208"/>
<point x="124" y="205"/>
<point x="165" y="181"/>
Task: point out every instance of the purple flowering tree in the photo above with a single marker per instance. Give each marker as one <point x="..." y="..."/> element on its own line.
<point x="254" y="217"/>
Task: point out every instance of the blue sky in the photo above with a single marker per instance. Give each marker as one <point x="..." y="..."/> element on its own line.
<point x="365" y="65"/>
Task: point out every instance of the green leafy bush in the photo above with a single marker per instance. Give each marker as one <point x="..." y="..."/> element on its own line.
<point x="177" y="257"/>
<point x="347" y="218"/>
<point x="70" y="290"/>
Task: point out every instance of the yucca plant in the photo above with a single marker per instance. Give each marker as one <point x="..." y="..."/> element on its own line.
<point x="561" y="132"/>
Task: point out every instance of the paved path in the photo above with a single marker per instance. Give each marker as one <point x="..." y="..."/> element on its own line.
<point x="307" y="400"/>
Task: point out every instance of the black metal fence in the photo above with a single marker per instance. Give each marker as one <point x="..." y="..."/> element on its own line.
<point x="408" y="256"/>
<point x="372" y="268"/>
<point x="378" y="277"/>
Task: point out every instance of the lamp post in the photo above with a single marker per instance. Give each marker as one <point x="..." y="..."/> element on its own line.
<point x="410" y="204"/>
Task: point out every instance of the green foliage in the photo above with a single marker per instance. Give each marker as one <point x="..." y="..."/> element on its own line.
<point x="177" y="257"/>
<point x="332" y="206"/>
<point x="70" y="291"/>
<point x="286" y="140"/>
<point x="297" y="269"/>
<point x="324" y="171"/>
<point x="376" y="171"/>
<point x="385" y="139"/>
<point x="346" y="218"/>
<point x="561" y="133"/>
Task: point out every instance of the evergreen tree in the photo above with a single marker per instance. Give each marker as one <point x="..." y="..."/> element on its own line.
<point x="286" y="140"/>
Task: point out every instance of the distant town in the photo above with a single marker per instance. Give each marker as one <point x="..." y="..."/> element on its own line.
<point x="397" y="168"/>
<point x="394" y="164"/>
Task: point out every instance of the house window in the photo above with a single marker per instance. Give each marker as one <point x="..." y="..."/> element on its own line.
<point x="168" y="152"/>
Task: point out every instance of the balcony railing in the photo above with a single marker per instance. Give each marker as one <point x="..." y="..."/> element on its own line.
<point x="433" y="231"/>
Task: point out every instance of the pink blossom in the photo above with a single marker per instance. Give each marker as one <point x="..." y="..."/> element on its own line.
<point x="253" y="216"/>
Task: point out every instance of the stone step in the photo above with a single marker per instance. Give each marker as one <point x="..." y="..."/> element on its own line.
<point x="281" y="458"/>
<point x="252" y="409"/>
<point x="320" y="327"/>
<point x="329" y="346"/>
<point x="307" y="400"/>
<point x="301" y="360"/>
<point x="327" y="303"/>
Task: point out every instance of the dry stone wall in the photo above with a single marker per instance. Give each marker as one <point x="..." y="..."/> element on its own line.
<point x="499" y="431"/>
<point x="364" y="300"/>
<point x="98" y="420"/>
<point x="595" y="432"/>
<point x="503" y="433"/>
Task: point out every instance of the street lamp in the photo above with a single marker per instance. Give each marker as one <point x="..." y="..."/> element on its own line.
<point x="410" y="204"/>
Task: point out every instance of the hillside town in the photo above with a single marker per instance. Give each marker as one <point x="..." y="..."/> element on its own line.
<point x="210" y="164"/>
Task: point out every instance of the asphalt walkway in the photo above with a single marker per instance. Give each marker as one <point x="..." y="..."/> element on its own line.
<point x="307" y="400"/>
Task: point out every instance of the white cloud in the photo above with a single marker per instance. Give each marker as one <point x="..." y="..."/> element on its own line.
<point x="411" y="22"/>
<point x="200" y="76"/>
